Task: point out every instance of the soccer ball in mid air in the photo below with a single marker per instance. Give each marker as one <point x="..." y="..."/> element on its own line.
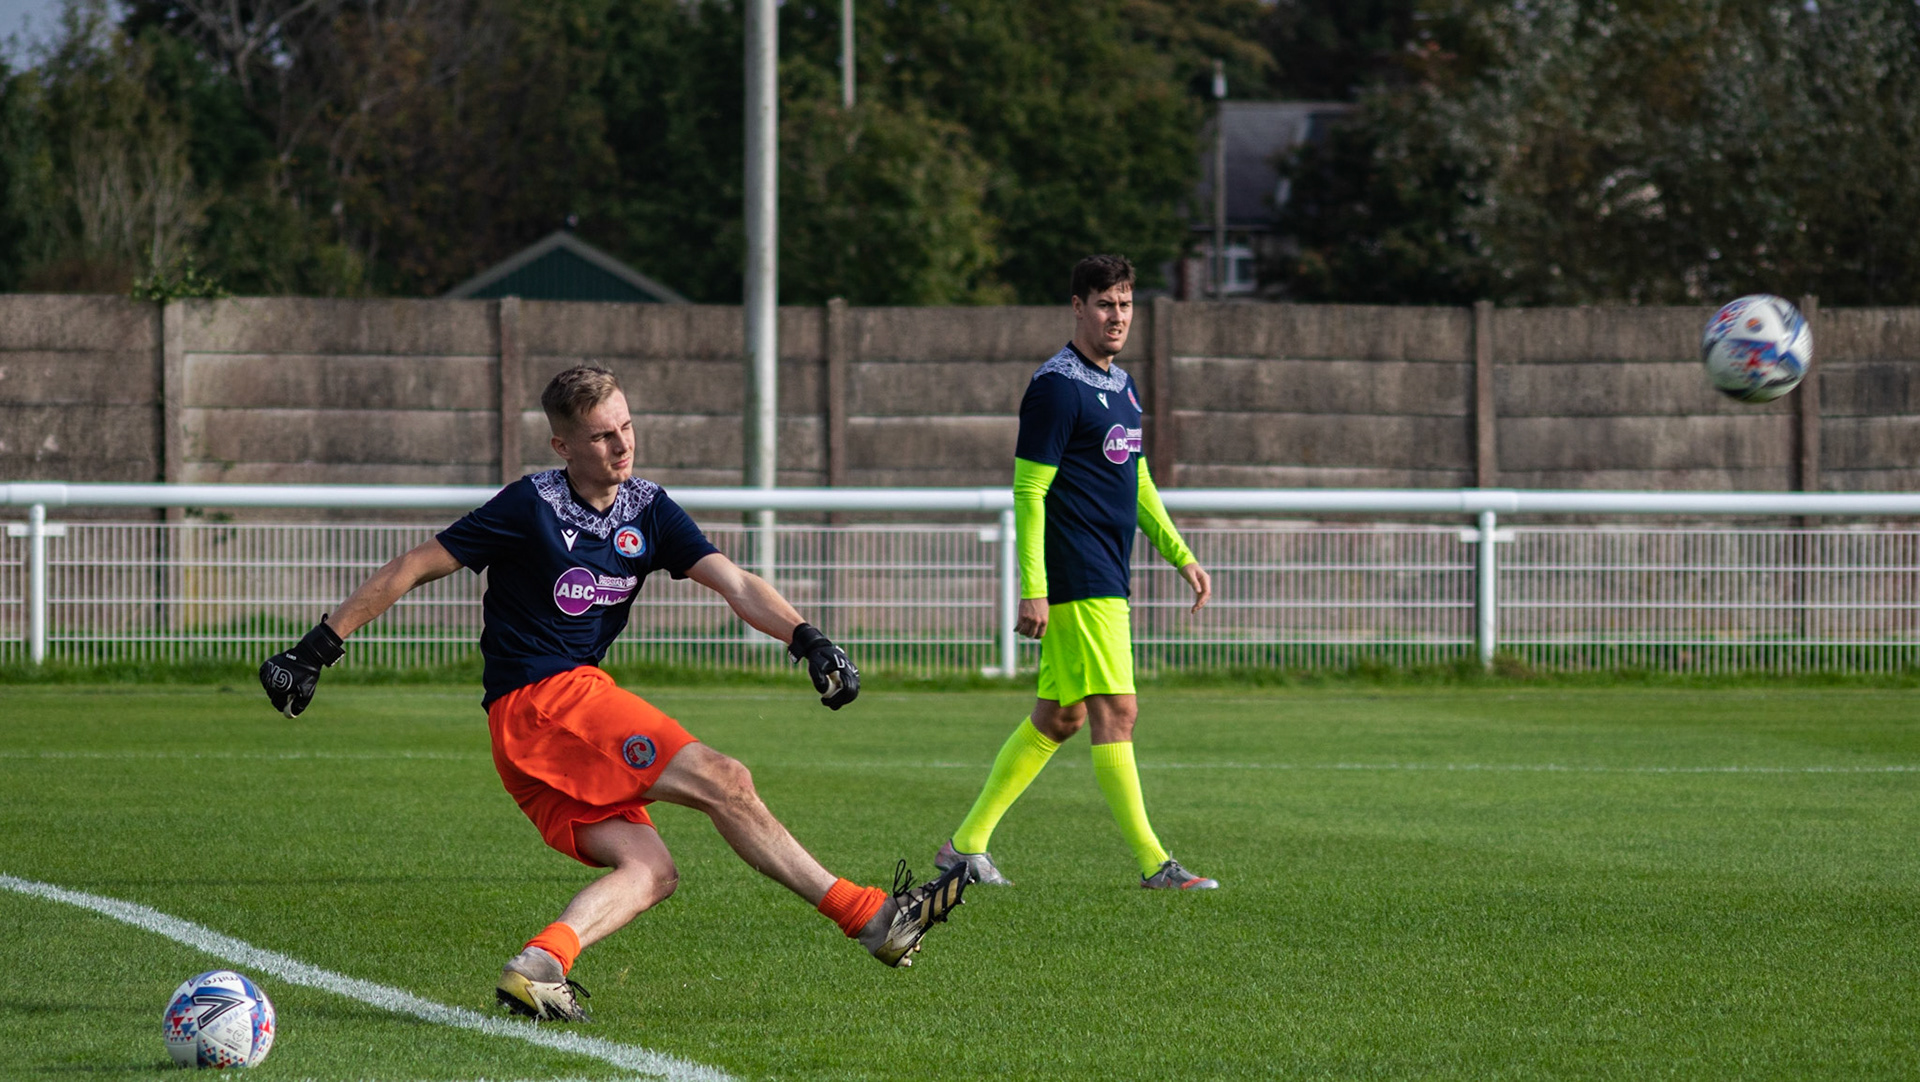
<point x="219" y="1019"/>
<point x="1757" y="348"/>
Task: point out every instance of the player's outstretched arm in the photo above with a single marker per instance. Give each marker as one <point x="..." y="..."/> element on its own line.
<point x="293" y="675"/>
<point x="418" y="566"/>
<point x="1159" y="528"/>
<point x="755" y="600"/>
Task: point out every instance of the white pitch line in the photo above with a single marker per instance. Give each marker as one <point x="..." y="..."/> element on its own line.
<point x="245" y="955"/>
<point x="260" y="756"/>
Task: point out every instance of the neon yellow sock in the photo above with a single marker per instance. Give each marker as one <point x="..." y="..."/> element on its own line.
<point x="1120" y="780"/>
<point x="1018" y="763"/>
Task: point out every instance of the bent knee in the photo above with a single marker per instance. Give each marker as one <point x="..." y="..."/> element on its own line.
<point x="1060" y="723"/>
<point x="665" y="882"/>
<point x="724" y="779"/>
<point x="732" y="777"/>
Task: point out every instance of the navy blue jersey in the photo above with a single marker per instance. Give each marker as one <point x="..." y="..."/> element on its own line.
<point x="562" y="576"/>
<point x="1086" y="422"/>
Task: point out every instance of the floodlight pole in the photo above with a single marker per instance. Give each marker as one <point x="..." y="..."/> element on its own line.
<point x="846" y="54"/>
<point x="761" y="301"/>
<point x="1219" y="261"/>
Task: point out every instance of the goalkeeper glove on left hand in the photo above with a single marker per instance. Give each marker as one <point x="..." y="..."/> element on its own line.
<point x="291" y="676"/>
<point x="834" y="676"/>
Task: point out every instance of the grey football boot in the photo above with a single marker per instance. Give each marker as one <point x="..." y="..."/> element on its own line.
<point x="534" y="985"/>
<point x="1171" y="876"/>
<point x="894" y="933"/>
<point x="984" y="873"/>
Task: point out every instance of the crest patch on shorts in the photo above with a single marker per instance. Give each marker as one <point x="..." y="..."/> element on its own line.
<point x="639" y="751"/>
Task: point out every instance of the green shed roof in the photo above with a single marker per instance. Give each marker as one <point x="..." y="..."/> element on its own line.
<point x="562" y="267"/>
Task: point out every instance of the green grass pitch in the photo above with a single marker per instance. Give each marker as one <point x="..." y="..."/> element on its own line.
<point x="1451" y="883"/>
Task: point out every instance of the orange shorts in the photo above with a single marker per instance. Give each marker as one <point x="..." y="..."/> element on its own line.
<point x="576" y="749"/>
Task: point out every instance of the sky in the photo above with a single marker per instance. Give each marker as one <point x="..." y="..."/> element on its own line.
<point x="17" y="16"/>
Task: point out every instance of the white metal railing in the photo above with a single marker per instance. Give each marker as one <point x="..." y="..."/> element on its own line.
<point x="946" y="595"/>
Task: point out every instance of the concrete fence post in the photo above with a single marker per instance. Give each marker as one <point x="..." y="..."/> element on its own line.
<point x="1806" y="405"/>
<point x="1166" y="440"/>
<point x="839" y="350"/>
<point x="1486" y="464"/>
<point x="506" y="315"/>
<point x="173" y="390"/>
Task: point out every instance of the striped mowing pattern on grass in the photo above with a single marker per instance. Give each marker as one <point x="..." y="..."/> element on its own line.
<point x="902" y="764"/>
<point x="241" y="953"/>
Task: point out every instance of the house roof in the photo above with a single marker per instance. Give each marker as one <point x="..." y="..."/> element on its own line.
<point x="562" y="267"/>
<point x="1258" y="134"/>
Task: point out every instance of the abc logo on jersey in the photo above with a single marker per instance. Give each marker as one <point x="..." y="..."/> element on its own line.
<point x="1120" y="443"/>
<point x="628" y="541"/>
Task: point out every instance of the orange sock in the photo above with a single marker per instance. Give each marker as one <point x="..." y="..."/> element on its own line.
<point x="560" y="941"/>
<point x="851" y="905"/>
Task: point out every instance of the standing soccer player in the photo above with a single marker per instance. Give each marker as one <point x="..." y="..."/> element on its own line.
<point x="567" y="550"/>
<point x="1080" y="489"/>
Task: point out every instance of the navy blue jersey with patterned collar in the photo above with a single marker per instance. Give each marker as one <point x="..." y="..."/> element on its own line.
<point x="1086" y="421"/>
<point x="562" y="576"/>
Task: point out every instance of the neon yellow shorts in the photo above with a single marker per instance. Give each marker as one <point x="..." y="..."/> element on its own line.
<point x="1087" y="650"/>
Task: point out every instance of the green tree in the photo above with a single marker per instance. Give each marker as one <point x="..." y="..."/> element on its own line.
<point x="882" y="206"/>
<point x="100" y="185"/>
<point x="1575" y="151"/>
<point x="397" y="146"/>
<point x="1333" y="50"/>
<point x="994" y="144"/>
<point x="1088" y="132"/>
<point x="1377" y="215"/>
<point x="672" y="87"/>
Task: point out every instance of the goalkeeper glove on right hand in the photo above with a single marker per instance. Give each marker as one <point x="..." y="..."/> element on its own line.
<point x="834" y="676"/>
<point x="291" y="676"/>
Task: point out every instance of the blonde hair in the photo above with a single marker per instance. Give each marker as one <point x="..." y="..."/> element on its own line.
<point x="575" y="392"/>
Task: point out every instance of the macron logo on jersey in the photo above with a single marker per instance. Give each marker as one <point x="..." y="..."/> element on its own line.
<point x="577" y="590"/>
<point x="1121" y="443"/>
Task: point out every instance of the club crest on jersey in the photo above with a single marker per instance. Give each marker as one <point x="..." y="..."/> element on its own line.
<point x="639" y="751"/>
<point x="577" y="590"/>
<point x="1130" y="398"/>
<point x="628" y="541"/>
<point x="1121" y="444"/>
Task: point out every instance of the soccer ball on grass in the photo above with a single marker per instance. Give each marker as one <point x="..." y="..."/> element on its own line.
<point x="218" y="1019"/>
<point x="1757" y="348"/>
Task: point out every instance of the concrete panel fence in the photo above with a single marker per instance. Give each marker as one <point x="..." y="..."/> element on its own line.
<point x="276" y="390"/>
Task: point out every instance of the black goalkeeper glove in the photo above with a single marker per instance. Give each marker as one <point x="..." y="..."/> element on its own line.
<point x="291" y="676"/>
<point x="834" y="677"/>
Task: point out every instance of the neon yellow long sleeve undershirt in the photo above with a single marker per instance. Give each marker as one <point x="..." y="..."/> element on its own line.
<point x="1157" y="526"/>
<point x="1031" y="480"/>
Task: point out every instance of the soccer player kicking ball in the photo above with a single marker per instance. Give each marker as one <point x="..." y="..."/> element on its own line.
<point x="1080" y="488"/>
<point x="567" y="550"/>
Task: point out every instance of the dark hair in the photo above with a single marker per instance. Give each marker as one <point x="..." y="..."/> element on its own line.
<point x="1099" y="273"/>
<point x="575" y="392"/>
